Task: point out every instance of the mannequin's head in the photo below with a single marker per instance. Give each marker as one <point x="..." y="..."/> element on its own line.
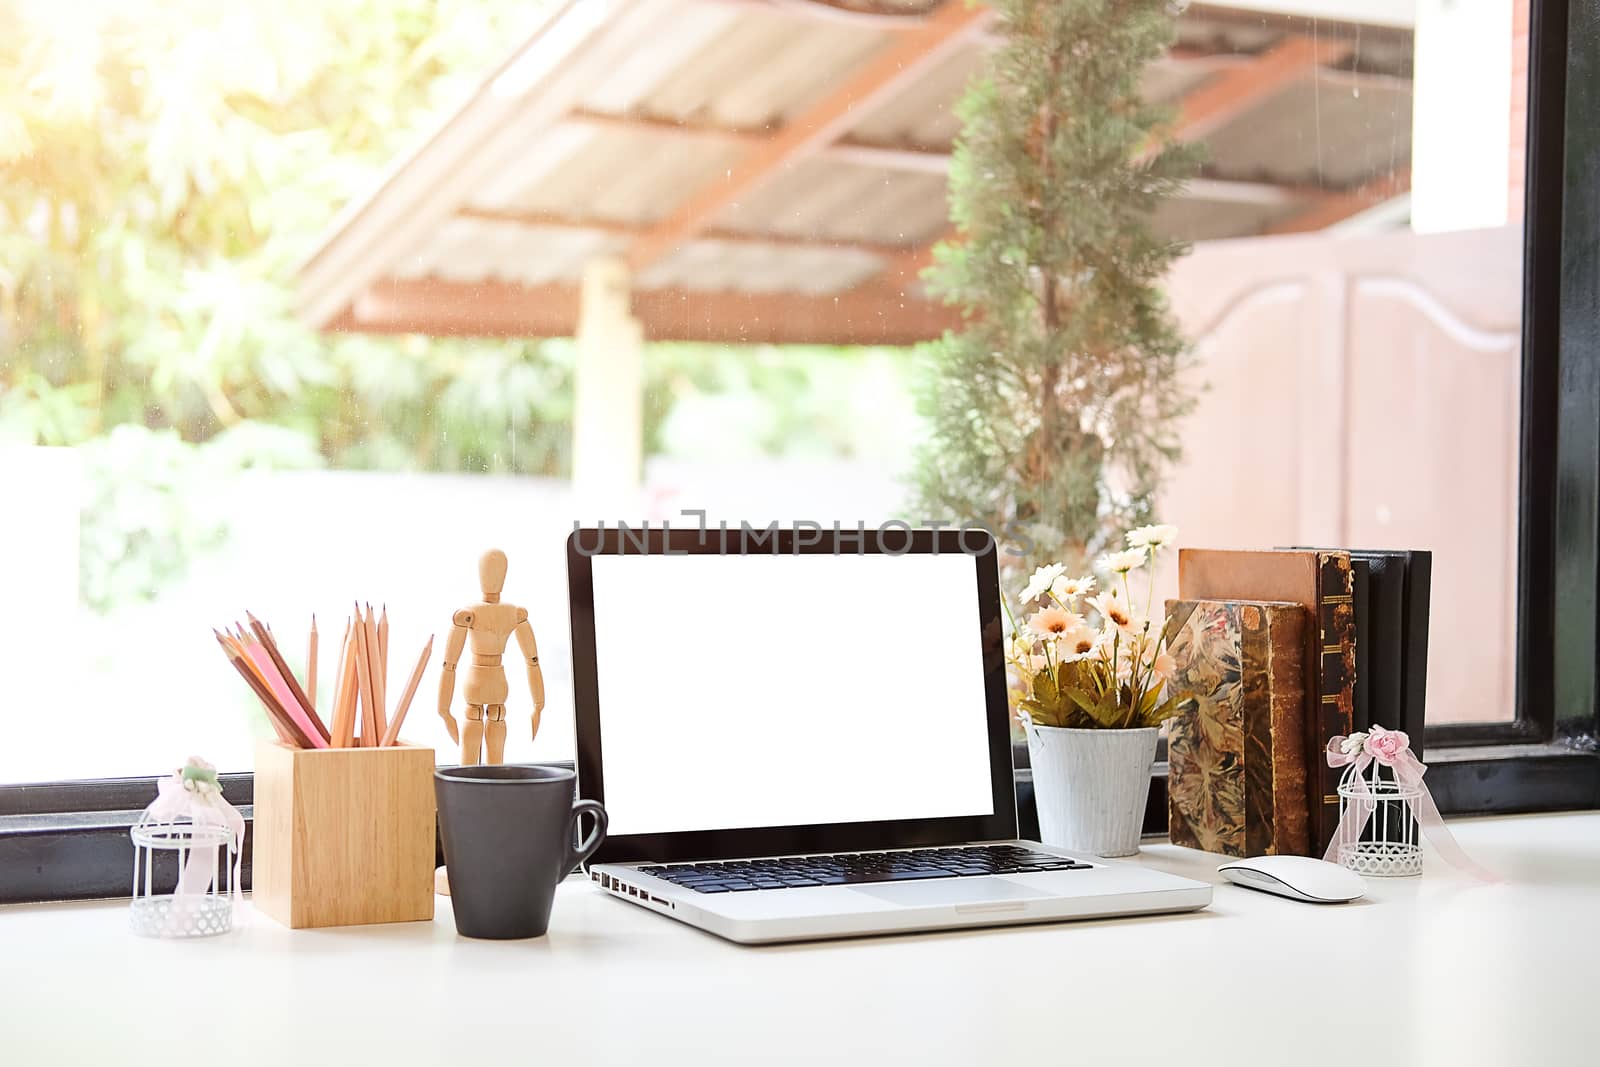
<point x="492" y="574"/>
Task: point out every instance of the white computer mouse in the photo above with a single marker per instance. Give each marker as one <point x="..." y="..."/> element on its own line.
<point x="1296" y="877"/>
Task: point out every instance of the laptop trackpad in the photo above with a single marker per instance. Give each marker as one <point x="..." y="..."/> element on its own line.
<point x="955" y="891"/>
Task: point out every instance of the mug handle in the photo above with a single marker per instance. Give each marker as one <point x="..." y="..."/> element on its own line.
<point x="576" y="854"/>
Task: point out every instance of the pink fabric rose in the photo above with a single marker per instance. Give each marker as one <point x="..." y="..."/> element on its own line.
<point x="1385" y="746"/>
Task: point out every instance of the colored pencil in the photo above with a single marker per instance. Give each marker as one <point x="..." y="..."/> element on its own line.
<point x="341" y="728"/>
<point x="369" y="734"/>
<point x="282" y="724"/>
<point x="335" y="707"/>
<point x="271" y="648"/>
<point x="253" y="682"/>
<point x="383" y="645"/>
<point x="356" y="708"/>
<point x="311" y="665"/>
<point x="352" y="693"/>
<point x="401" y="708"/>
<point x="379" y="680"/>
<point x="280" y="688"/>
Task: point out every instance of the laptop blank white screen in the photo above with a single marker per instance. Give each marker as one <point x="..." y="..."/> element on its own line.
<point x="759" y="691"/>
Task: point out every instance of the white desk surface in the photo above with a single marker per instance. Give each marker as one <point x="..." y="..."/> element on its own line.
<point x="1430" y="970"/>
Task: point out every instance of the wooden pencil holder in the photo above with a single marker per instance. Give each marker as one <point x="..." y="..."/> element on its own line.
<point x="343" y="836"/>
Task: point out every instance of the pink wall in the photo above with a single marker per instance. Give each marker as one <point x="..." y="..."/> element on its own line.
<point x="1364" y="392"/>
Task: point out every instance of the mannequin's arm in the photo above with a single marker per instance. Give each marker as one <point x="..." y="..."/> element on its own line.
<point x="530" y="652"/>
<point x="447" y="674"/>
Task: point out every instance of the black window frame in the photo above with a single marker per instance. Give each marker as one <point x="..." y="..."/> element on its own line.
<point x="68" y="840"/>
<point x="1545" y="758"/>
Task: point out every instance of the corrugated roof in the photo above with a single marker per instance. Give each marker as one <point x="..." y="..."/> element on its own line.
<point x="757" y="147"/>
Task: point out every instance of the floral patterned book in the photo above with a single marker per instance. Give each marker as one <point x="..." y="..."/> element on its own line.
<point x="1237" y="774"/>
<point x="1320" y="582"/>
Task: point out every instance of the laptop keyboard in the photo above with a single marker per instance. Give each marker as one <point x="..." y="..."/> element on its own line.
<point x="855" y="868"/>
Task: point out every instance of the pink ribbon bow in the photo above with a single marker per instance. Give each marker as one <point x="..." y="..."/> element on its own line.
<point x="1392" y="748"/>
<point x="201" y="801"/>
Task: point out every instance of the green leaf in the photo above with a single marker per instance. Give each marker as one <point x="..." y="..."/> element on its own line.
<point x="1105" y="711"/>
<point x="1076" y="675"/>
<point x="1045" y="691"/>
<point x="1042" y="715"/>
<point x="1083" y="698"/>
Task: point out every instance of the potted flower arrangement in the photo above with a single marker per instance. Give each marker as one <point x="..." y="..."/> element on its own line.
<point x="1093" y="671"/>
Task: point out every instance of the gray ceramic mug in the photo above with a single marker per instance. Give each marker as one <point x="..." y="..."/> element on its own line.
<point x="510" y="836"/>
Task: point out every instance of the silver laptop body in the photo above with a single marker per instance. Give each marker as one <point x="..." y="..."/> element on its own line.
<point x="800" y="734"/>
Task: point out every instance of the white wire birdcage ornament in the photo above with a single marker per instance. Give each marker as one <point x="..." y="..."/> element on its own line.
<point x="1389" y="846"/>
<point x="184" y="854"/>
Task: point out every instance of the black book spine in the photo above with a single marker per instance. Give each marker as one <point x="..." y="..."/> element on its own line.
<point x="1414" y="706"/>
<point x="1335" y="667"/>
<point x="1361" y="582"/>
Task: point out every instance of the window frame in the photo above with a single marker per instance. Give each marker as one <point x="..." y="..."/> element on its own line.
<point x="1545" y="758"/>
<point x="68" y="840"/>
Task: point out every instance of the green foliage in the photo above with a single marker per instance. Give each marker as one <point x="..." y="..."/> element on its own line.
<point x="147" y="510"/>
<point x="800" y="401"/>
<point x="163" y="169"/>
<point x="1079" y="695"/>
<point x="1053" y="409"/>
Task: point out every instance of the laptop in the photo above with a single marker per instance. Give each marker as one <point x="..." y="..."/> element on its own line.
<point x="800" y="734"/>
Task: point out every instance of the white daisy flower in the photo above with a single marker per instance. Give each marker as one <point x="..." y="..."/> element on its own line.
<point x="1122" y="562"/>
<point x="1152" y="537"/>
<point x="1066" y="588"/>
<point x="1042" y="580"/>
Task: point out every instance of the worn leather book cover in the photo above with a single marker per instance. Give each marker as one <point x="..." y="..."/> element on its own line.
<point x="1236" y="779"/>
<point x="1321" y="582"/>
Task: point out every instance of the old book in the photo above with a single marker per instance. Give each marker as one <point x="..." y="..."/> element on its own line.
<point x="1379" y="621"/>
<point x="1320" y="582"/>
<point x="1361" y="686"/>
<point x="1414" y="660"/>
<point x="1236" y="779"/>
<point x="1392" y="646"/>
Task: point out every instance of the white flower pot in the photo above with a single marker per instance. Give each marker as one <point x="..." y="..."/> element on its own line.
<point x="1091" y="786"/>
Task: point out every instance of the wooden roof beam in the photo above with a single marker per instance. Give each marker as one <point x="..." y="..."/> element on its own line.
<point x="902" y="261"/>
<point x="545" y="220"/>
<point x="1225" y="97"/>
<point x="904" y="60"/>
<point x="921" y="159"/>
<point x="867" y="315"/>
<point x="1237" y="89"/>
<point x="891" y="21"/>
<point x="1338" y="206"/>
<point x="907" y="266"/>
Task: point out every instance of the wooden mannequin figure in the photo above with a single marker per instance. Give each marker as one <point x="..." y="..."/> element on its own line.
<point x="488" y="626"/>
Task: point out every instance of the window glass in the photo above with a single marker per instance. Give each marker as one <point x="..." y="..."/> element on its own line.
<point x="304" y="304"/>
